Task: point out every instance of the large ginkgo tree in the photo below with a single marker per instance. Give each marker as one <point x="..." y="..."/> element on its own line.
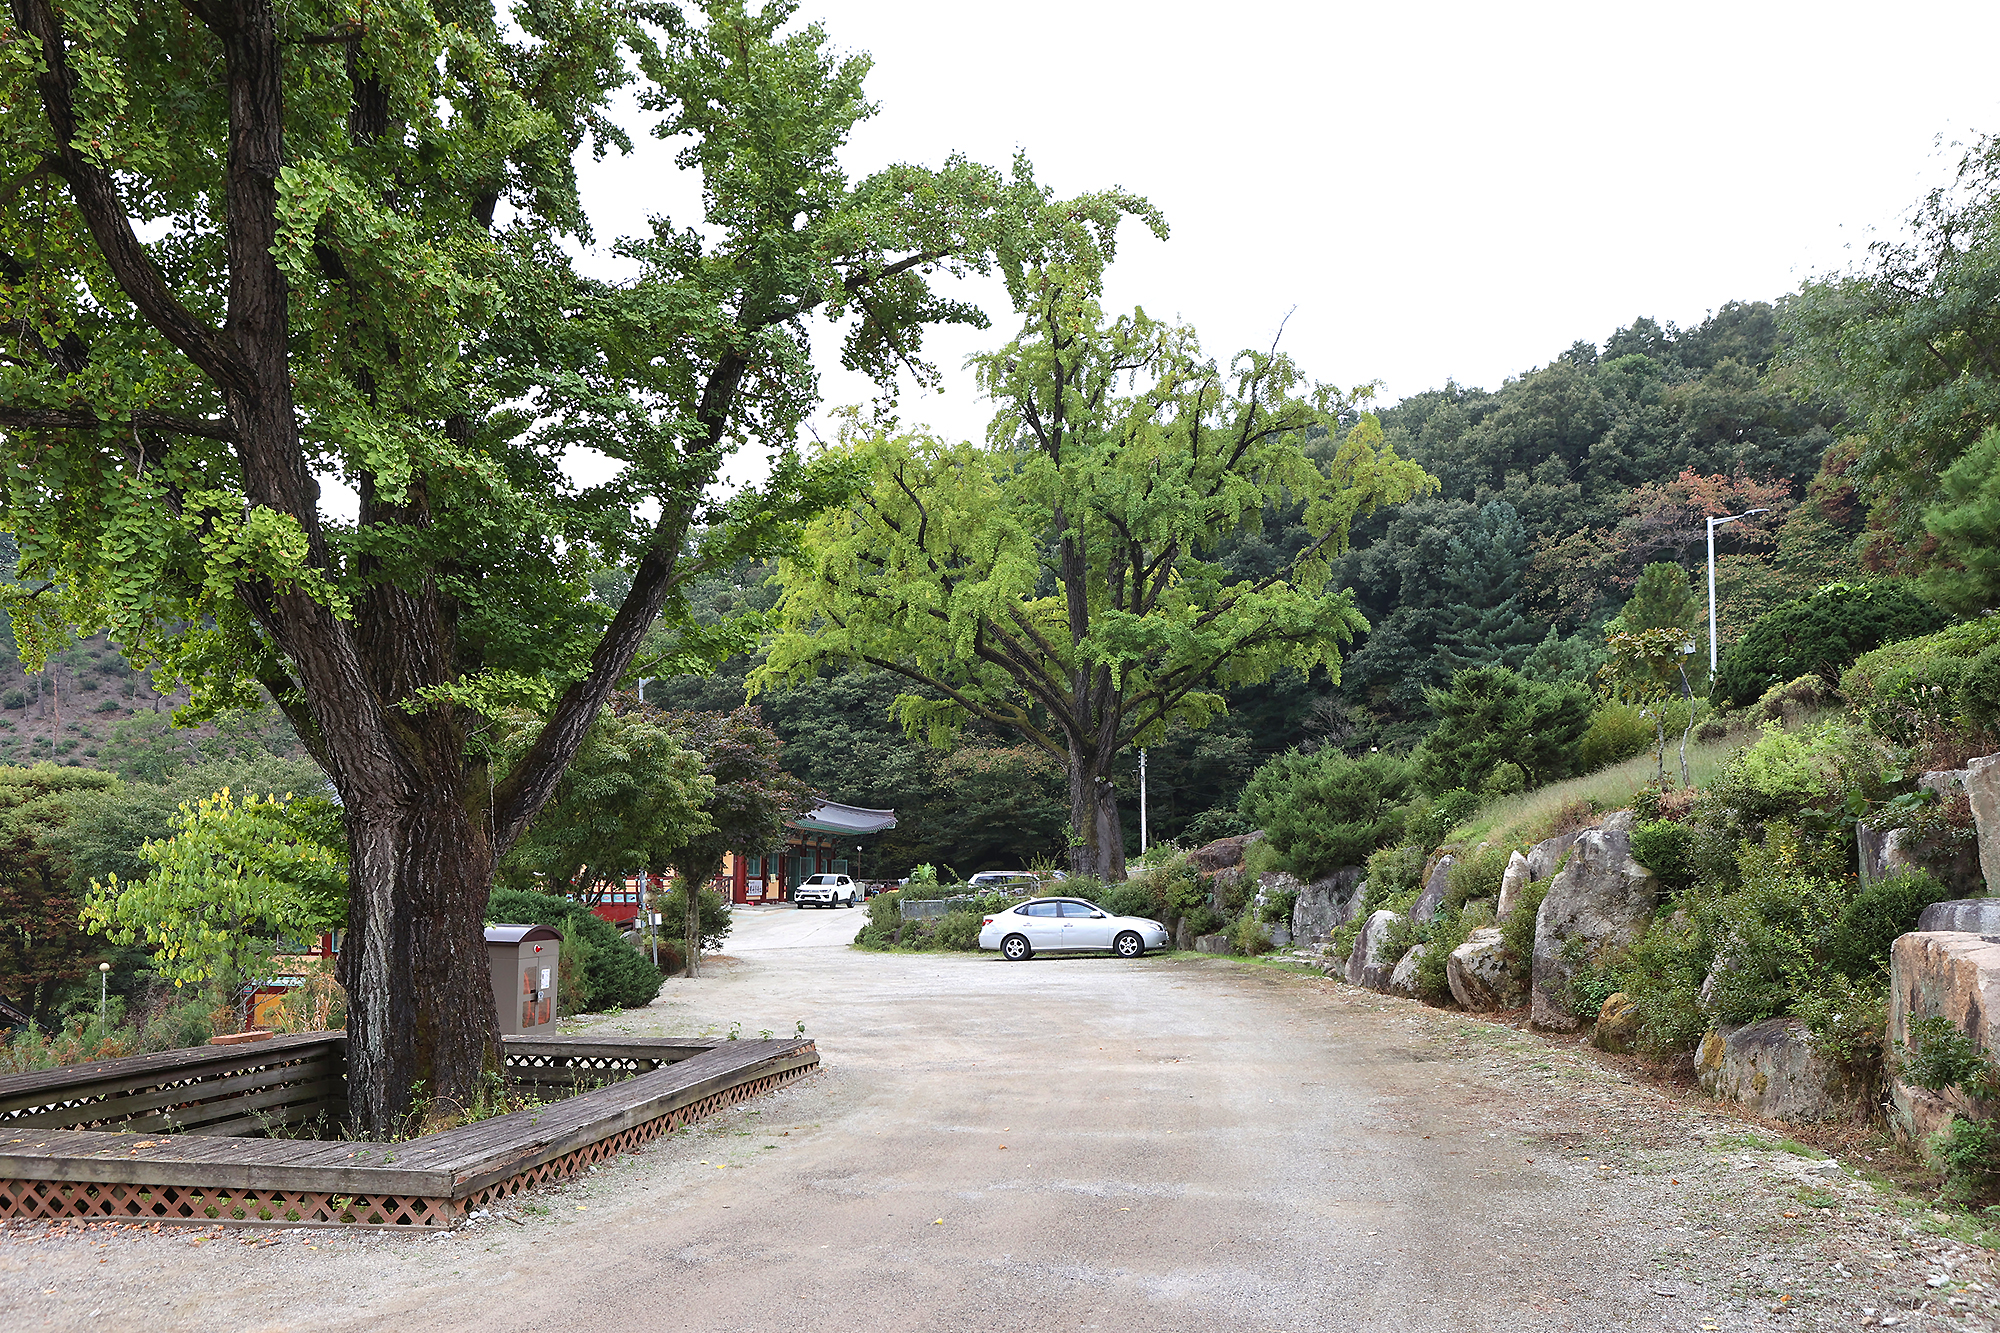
<point x="255" y="255"/>
<point x="1055" y="581"/>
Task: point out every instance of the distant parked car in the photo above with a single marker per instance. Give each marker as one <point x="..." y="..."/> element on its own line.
<point x="1067" y="925"/>
<point x="1025" y="880"/>
<point x="826" y="891"/>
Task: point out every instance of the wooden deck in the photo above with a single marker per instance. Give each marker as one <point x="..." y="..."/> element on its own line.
<point x="99" y="1140"/>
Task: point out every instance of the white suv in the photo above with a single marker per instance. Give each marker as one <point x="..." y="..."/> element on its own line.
<point x="826" y="891"/>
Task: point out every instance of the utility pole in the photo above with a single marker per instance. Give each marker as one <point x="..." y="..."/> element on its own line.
<point x="1142" y="801"/>
<point x="1713" y="524"/>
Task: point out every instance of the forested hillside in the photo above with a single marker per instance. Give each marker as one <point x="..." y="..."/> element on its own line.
<point x="1555" y="490"/>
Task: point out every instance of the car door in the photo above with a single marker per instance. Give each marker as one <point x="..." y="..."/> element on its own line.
<point x="1042" y="925"/>
<point x="1084" y="927"/>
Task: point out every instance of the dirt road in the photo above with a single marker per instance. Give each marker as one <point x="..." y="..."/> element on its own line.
<point x="1088" y="1144"/>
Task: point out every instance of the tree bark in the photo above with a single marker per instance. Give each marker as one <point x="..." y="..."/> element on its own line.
<point x="693" y="931"/>
<point x="420" y="1018"/>
<point x="1097" y="836"/>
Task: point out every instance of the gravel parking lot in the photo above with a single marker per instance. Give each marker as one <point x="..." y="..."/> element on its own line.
<point x="1080" y="1143"/>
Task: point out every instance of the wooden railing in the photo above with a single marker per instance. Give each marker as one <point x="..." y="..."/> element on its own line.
<point x="531" y="1063"/>
<point x="259" y="1088"/>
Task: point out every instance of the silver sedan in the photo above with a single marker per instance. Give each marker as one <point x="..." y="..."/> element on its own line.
<point x="1068" y="925"/>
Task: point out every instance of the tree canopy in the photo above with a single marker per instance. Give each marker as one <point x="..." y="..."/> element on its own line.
<point x="1053" y="581"/>
<point x="249" y="251"/>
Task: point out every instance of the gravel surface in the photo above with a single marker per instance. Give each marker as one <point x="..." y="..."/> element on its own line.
<point x="1177" y="1143"/>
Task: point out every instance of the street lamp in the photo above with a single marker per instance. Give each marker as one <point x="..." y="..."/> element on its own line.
<point x="103" y="988"/>
<point x="1713" y="524"/>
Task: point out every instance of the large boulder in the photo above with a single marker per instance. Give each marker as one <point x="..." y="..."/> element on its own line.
<point x="1512" y="880"/>
<point x="1617" y="1026"/>
<point x="1368" y="964"/>
<point x="1325" y="905"/>
<point x="1602" y="898"/>
<point x="1217" y="943"/>
<point x="1968" y="916"/>
<point x="1482" y="972"/>
<point x="1222" y="854"/>
<point x="1884" y="852"/>
<point x="1982" y="788"/>
<point x="1950" y="975"/>
<point x="1434" y="891"/>
<point x="1544" y="855"/>
<point x="1403" y="981"/>
<point x="1771" y="1069"/>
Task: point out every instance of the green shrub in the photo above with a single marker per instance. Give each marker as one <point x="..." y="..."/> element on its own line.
<point x="1666" y="848"/>
<point x="959" y="930"/>
<point x="1906" y="690"/>
<point x="1475" y="875"/>
<point x="1427" y="821"/>
<point x="1277" y="909"/>
<point x="1792" y="701"/>
<point x="1874" y="917"/>
<point x="1133" y="897"/>
<point x="1506" y="779"/>
<point x="1324" y="810"/>
<point x="1248" y="937"/>
<point x="1215" y="825"/>
<point x="1616" y="733"/>
<point x="1492" y="715"/>
<point x="1448" y="929"/>
<point x="1393" y="873"/>
<point x="1822" y="635"/>
<point x="1848" y="1019"/>
<point x="1517" y="931"/>
<point x="1591" y="982"/>
<point x="885" y="910"/>
<point x="606" y="973"/>
<point x="1940" y="1058"/>
<point x="1773" y="934"/>
<point x="1402" y="935"/>
<point x="1661" y="975"/>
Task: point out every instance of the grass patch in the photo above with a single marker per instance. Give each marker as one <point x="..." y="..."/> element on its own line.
<point x="1526" y="817"/>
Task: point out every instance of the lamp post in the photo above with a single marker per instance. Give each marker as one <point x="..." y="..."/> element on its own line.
<point x="1713" y="524"/>
<point x="103" y="988"/>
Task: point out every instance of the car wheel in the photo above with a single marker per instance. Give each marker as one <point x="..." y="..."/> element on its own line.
<point x="1015" y="949"/>
<point x="798" y="907"/>
<point x="1128" y="945"/>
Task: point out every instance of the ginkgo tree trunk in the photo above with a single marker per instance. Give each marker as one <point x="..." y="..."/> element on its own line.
<point x="1053" y="580"/>
<point x="249" y="253"/>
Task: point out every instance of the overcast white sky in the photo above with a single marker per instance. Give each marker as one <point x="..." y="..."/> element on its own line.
<point x="1438" y="190"/>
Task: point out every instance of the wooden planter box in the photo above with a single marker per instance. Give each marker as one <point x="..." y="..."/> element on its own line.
<point x="190" y="1136"/>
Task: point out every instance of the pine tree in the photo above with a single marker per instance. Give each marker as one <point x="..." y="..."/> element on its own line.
<point x="1661" y="599"/>
<point x="1484" y="621"/>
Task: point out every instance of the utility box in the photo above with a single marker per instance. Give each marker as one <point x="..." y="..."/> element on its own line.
<point x="524" y="964"/>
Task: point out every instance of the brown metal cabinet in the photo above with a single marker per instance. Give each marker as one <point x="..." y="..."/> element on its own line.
<point x="523" y="960"/>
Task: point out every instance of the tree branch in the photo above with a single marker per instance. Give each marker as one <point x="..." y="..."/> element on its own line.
<point x="51" y="418"/>
<point x="96" y="196"/>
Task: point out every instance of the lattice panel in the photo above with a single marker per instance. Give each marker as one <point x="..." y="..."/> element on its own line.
<point x="304" y="1067"/>
<point x="621" y="1065"/>
<point x="561" y="1168"/>
<point x="29" y="1199"/>
<point x="50" y="1199"/>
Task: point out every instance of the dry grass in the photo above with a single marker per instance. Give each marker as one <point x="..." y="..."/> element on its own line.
<point x="1534" y="815"/>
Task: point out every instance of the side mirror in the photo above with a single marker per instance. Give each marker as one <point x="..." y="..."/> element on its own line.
<point x="1097" y="916"/>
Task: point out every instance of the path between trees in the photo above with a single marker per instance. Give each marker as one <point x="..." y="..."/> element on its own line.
<point x="1087" y="1144"/>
